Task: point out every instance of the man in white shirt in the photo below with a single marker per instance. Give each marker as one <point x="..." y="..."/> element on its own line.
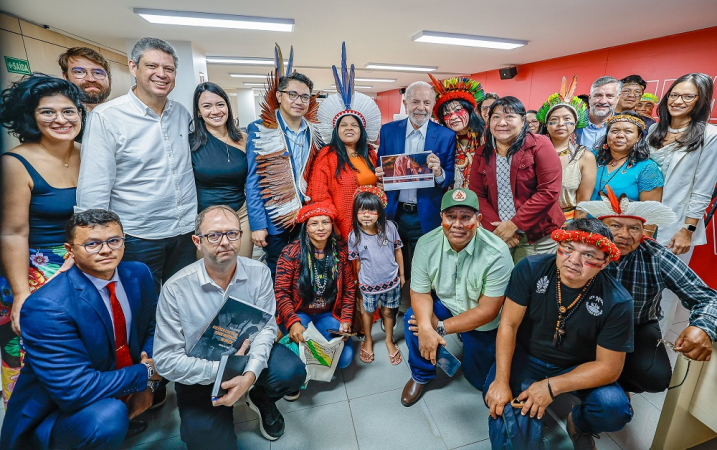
<point x="136" y="162"/>
<point x="187" y="305"/>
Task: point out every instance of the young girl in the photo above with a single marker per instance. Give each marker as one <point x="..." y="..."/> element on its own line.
<point x="375" y="244"/>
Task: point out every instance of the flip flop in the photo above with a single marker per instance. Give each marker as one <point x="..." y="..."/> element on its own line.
<point x="369" y="355"/>
<point x="396" y="358"/>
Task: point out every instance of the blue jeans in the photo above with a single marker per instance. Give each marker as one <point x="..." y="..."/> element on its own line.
<point x="603" y="409"/>
<point x="478" y="351"/>
<point x="326" y="321"/>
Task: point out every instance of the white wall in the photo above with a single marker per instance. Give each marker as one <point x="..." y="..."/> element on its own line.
<point x="244" y="109"/>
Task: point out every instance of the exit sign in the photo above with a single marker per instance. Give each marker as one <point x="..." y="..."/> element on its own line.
<point x="16" y="65"/>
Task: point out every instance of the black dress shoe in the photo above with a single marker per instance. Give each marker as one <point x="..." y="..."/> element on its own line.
<point x="412" y="392"/>
<point x="160" y="397"/>
<point x="136" y="427"/>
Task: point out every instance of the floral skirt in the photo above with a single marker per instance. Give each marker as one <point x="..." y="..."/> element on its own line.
<point x="44" y="263"/>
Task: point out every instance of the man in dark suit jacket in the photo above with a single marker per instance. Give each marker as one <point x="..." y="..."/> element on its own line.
<point x="417" y="211"/>
<point x="88" y="335"/>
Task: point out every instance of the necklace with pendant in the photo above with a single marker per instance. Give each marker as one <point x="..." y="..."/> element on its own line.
<point x="66" y="164"/>
<point x="564" y="312"/>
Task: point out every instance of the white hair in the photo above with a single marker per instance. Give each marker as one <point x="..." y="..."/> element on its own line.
<point x="602" y="81"/>
<point x="417" y="84"/>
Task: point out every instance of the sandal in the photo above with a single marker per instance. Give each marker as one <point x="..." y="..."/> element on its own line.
<point x="396" y="358"/>
<point x="368" y="358"/>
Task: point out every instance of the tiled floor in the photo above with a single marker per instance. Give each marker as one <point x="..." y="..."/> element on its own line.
<point x="360" y="409"/>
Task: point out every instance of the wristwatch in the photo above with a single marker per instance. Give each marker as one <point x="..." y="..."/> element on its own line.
<point x="688" y="227"/>
<point x="153" y="385"/>
<point x="440" y="329"/>
<point x="150" y="369"/>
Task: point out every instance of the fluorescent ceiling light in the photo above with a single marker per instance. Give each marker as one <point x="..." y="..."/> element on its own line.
<point x="376" y="80"/>
<point x="355" y="87"/>
<point x="247" y="75"/>
<point x="200" y="19"/>
<point x="241" y="60"/>
<point x="467" y="40"/>
<point x="400" y="67"/>
<point x="254" y="84"/>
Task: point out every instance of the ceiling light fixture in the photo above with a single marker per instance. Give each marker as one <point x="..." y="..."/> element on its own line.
<point x="400" y="67"/>
<point x="356" y="87"/>
<point x="254" y="84"/>
<point x="200" y="19"/>
<point x="247" y="75"/>
<point x="467" y="40"/>
<point x="376" y="80"/>
<point x="241" y="61"/>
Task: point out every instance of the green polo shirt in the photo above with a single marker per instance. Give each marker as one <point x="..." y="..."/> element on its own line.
<point x="483" y="267"/>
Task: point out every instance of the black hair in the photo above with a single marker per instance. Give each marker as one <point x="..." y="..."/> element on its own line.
<point x="589" y="225"/>
<point x="639" y="152"/>
<point x="488" y="96"/>
<point x="509" y="104"/>
<point x="547" y="119"/>
<point x="370" y="202"/>
<point x="634" y="79"/>
<point x="296" y="76"/>
<point x="475" y="121"/>
<point x="585" y="98"/>
<point x="694" y="137"/>
<point x="307" y="259"/>
<point x="337" y="145"/>
<point x="19" y="101"/>
<point x="90" y="218"/>
<point x="199" y="134"/>
<point x="542" y="129"/>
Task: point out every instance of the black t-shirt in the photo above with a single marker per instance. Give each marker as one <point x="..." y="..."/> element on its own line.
<point x="604" y="316"/>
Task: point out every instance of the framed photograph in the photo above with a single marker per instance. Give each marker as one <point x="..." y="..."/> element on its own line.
<point x="406" y="171"/>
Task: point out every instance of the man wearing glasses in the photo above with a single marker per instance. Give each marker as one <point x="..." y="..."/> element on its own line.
<point x="566" y="326"/>
<point x="279" y="149"/>
<point x="187" y="305"/>
<point x="633" y="86"/>
<point x="88" y="70"/>
<point x="89" y="341"/>
<point x="645" y="269"/>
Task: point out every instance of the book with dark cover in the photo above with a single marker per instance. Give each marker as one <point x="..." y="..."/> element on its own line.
<point x="230" y="366"/>
<point x="235" y="322"/>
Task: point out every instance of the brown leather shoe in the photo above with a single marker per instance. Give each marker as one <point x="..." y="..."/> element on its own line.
<point x="412" y="392"/>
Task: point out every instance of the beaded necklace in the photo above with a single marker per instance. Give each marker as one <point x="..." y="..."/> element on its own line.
<point x="564" y="312"/>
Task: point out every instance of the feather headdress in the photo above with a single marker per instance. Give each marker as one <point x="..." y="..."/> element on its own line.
<point x="565" y="98"/>
<point x="649" y="212"/>
<point x="456" y="88"/>
<point x="347" y="102"/>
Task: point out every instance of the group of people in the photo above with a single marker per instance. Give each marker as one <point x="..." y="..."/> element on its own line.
<point x="545" y="243"/>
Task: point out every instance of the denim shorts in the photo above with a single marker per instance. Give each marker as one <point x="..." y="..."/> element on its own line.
<point x="388" y="299"/>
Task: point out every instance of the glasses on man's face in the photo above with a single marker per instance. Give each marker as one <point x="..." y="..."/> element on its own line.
<point x="631" y="92"/>
<point x="293" y="95"/>
<point x="687" y="98"/>
<point x="93" y="247"/>
<point x="585" y="258"/>
<point x="215" y="238"/>
<point x="50" y="115"/>
<point x="80" y="73"/>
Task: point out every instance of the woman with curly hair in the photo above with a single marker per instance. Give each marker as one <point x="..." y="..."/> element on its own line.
<point x="39" y="183"/>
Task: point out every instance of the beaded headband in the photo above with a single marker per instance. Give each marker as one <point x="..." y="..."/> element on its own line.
<point x="647" y="97"/>
<point x="373" y="190"/>
<point x="316" y="209"/>
<point x="598" y="240"/>
<point x="627" y="118"/>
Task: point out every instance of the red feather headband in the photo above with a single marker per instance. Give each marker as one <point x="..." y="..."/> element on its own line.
<point x="373" y="190"/>
<point x="598" y="240"/>
<point x="316" y="209"/>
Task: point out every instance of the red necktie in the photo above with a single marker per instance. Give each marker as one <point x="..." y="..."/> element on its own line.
<point x="123" y="358"/>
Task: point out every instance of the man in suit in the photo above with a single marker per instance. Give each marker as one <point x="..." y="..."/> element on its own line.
<point x="416" y="211"/>
<point x="88" y="335"/>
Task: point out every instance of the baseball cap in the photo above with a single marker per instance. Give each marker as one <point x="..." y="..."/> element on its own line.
<point x="459" y="197"/>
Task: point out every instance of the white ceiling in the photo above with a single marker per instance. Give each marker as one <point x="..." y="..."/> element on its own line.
<point x="380" y="31"/>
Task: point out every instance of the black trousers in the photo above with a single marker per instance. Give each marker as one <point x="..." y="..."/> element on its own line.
<point x="647" y="368"/>
<point x="165" y="257"/>
<point x="410" y="231"/>
<point x="275" y="243"/>
<point x="205" y="426"/>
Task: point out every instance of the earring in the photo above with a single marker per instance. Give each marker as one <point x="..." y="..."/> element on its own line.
<point x="605" y="146"/>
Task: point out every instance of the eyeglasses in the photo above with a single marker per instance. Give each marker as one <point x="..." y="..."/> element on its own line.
<point x="631" y="92"/>
<point x="584" y="258"/>
<point x="81" y="73"/>
<point x="215" y="238"/>
<point x="293" y="95"/>
<point x="96" y="246"/>
<point x="50" y="115"/>
<point x="687" y="98"/>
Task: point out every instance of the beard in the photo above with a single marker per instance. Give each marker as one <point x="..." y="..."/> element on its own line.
<point x="601" y="114"/>
<point x="95" y="97"/>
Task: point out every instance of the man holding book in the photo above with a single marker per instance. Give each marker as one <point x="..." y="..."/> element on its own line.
<point x="197" y="304"/>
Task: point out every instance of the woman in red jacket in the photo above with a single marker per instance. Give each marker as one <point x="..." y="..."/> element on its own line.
<point x="518" y="180"/>
<point x="315" y="280"/>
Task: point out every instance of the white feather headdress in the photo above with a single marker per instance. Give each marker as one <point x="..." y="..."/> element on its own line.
<point x="649" y="212"/>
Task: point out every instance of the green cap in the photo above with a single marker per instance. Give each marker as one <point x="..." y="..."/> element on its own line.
<point x="459" y="197"/>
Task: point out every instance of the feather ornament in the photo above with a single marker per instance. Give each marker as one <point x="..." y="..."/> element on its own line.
<point x="457" y="88"/>
<point x="565" y="98"/>
<point x="610" y="205"/>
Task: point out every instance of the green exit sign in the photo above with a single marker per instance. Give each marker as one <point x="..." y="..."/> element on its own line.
<point x="16" y="65"/>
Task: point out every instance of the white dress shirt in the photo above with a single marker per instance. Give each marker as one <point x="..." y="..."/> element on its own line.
<point x="138" y="165"/>
<point x="121" y="295"/>
<point x="188" y="303"/>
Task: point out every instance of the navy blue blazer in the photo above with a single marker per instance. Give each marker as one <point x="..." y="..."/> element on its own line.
<point x="439" y="140"/>
<point x="70" y="361"/>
